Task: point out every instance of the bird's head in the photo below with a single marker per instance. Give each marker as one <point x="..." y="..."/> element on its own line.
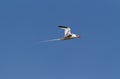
<point x="77" y="36"/>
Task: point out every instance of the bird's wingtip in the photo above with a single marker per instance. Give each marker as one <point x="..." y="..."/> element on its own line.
<point x="62" y="26"/>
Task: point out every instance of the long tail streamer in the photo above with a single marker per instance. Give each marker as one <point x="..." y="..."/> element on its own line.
<point x="50" y="40"/>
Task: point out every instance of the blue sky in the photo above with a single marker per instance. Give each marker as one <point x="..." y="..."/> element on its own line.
<point x="24" y="23"/>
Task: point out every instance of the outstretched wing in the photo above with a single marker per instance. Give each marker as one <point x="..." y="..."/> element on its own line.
<point x="67" y="30"/>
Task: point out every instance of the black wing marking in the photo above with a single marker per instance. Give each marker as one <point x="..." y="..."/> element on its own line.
<point x="62" y="26"/>
<point x="67" y="37"/>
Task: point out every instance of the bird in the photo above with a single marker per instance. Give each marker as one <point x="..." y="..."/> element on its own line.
<point x="67" y="34"/>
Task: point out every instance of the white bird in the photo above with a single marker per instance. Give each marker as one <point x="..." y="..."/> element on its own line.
<point x="67" y="34"/>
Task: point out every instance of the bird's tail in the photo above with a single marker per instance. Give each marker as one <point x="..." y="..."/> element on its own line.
<point x="50" y="40"/>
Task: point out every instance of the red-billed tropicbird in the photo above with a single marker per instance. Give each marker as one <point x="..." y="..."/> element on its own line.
<point x="67" y="34"/>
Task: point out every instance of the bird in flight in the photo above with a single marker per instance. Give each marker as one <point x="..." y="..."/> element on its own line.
<point x="67" y="34"/>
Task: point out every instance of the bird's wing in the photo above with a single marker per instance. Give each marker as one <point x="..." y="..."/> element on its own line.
<point x="66" y="29"/>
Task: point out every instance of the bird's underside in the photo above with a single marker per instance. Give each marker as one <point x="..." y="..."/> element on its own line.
<point x="67" y="37"/>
